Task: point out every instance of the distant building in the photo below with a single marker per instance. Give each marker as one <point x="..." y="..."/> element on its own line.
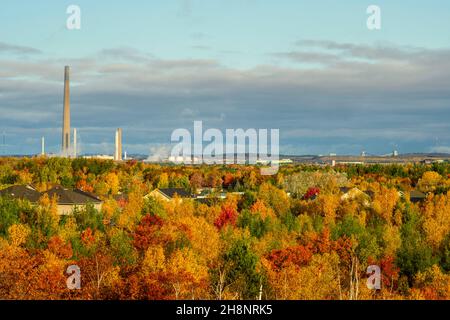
<point x="100" y="157"/>
<point x="169" y="194"/>
<point x="431" y="161"/>
<point x="351" y="162"/>
<point x="274" y="162"/>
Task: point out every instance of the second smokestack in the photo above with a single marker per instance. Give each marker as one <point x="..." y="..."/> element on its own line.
<point x="118" y="145"/>
<point x="66" y="114"/>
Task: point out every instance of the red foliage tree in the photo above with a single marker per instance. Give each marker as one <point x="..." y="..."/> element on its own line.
<point x="228" y="180"/>
<point x="389" y="271"/>
<point x="311" y="193"/>
<point x="228" y="215"/>
<point x="57" y="246"/>
<point x="298" y="255"/>
<point x="196" y="180"/>
<point x="87" y="237"/>
<point x="145" y="234"/>
<point x="321" y="243"/>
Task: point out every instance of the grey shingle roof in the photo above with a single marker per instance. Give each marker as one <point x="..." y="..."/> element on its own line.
<point x="21" y="192"/>
<point x="170" y="192"/>
<point x="72" y="197"/>
<point x="63" y="195"/>
<point x="417" y="196"/>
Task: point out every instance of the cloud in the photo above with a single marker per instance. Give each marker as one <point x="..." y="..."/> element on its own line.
<point x="441" y="149"/>
<point x="199" y="36"/>
<point x="310" y="57"/>
<point x="125" y="54"/>
<point x="15" y="49"/>
<point x="378" y="51"/>
<point x="201" y="47"/>
<point x="361" y="96"/>
<point x="185" y="8"/>
<point x="330" y="52"/>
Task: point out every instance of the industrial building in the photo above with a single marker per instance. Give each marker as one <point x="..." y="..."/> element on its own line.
<point x="69" y="146"/>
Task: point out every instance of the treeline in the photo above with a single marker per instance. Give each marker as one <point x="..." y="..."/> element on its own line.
<point x="306" y="233"/>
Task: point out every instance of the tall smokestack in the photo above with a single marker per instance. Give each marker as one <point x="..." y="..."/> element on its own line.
<point x="118" y="145"/>
<point x="66" y="114"/>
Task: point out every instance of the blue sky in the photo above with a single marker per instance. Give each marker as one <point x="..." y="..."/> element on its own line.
<point x="310" y="68"/>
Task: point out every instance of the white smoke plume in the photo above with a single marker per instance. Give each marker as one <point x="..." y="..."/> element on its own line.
<point x="159" y="153"/>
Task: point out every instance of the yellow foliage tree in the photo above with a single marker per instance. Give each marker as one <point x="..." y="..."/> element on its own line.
<point x="131" y="213"/>
<point x="154" y="260"/>
<point x="433" y="284"/>
<point x="392" y="240"/>
<point x="189" y="277"/>
<point x="437" y="218"/>
<point x="49" y="207"/>
<point x="163" y="181"/>
<point x="429" y="181"/>
<point x="69" y="230"/>
<point x="112" y="180"/>
<point x="274" y="197"/>
<point x="317" y="281"/>
<point x="18" y="234"/>
<point x="384" y="203"/>
<point x="24" y="177"/>
<point x="329" y="204"/>
<point x="109" y="207"/>
<point x="262" y="209"/>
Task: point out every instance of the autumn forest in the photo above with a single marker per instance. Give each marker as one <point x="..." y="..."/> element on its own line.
<point x="308" y="232"/>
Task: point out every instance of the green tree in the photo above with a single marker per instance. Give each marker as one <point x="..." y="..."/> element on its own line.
<point x="241" y="264"/>
<point x="414" y="255"/>
<point x="9" y="214"/>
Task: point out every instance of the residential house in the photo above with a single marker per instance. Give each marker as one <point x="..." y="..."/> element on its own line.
<point x="67" y="200"/>
<point x="355" y="193"/>
<point x="169" y="194"/>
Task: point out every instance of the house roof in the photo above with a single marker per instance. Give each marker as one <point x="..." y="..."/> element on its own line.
<point x="21" y="192"/>
<point x="120" y="197"/>
<point x="416" y="196"/>
<point x="171" y="192"/>
<point x="344" y="189"/>
<point x="72" y="197"/>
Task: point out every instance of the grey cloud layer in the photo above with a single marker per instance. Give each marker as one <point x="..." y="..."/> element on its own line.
<point x="368" y="97"/>
<point x="15" y="49"/>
